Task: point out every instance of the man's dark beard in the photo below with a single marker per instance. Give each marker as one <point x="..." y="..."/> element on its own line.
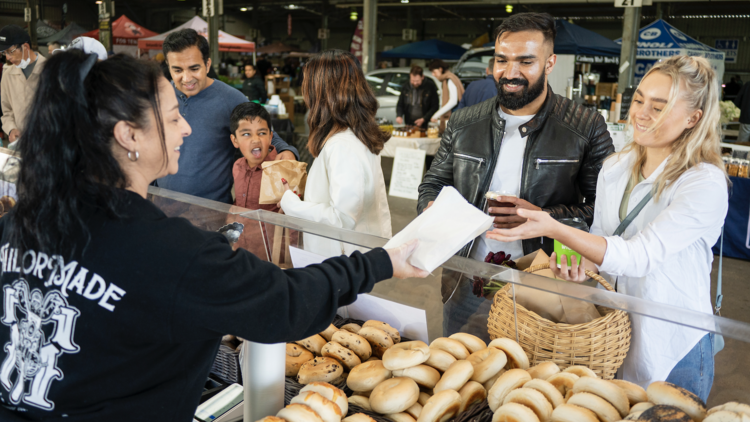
<point x="517" y="100"/>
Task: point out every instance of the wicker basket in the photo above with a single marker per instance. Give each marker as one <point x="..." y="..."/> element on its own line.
<point x="600" y="345"/>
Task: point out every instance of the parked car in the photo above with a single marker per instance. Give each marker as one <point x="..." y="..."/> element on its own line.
<point x="386" y="84"/>
<point x="472" y="65"/>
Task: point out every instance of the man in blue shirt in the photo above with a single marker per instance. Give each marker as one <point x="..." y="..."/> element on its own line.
<point x="207" y="155"/>
<point x="480" y="90"/>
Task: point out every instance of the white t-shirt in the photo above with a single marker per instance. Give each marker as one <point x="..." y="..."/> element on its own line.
<point x="507" y="179"/>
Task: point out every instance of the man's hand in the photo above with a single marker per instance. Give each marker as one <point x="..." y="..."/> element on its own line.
<point x="286" y="155"/>
<point x="400" y="120"/>
<point x="509" y="217"/>
<point x="419" y="122"/>
<point x="14" y="135"/>
<point x="538" y="224"/>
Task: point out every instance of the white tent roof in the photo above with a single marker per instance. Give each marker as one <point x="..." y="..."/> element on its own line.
<point x="226" y="42"/>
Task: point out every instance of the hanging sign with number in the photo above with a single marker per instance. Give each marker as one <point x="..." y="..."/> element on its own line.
<point x="628" y="3"/>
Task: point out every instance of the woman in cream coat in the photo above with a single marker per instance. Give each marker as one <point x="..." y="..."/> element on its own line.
<point x="665" y="253"/>
<point x="345" y="186"/>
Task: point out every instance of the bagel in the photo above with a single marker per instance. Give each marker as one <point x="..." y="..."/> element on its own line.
<point x="548" y="391"/>
<point x="532" y="399"/>
<point x="490" y="382"/>
<point x="296" y="356"/>
<point x="320" y="369"/>
<point x="336" y="351"/>
<point x="414" y="410"/>
<point x="726" y="416"/>
<point x="395" y="335"/>
<point x="603" y="410"/>
<point x="378" y="339"/>
<point x="572" y="413"/>
<point x="400" y="417"/>
<point x="363" y="393"/>
<point x="581" y="371"/>
<point x="514" y="412"/>
<point x="508" y="381"/>
<point x="425" y="376"/>
<point x="633" y="416"/>
<point x="423" y="397"/>
<point x="732" y="406"/>
<point x="564" y="382"/>
<point x="271" y="419"/>
<point x="455" y="376"/>
<point x="372" y="358"/>
<point x="640" y="407"/>
<point x="298" y="413"/>
<point x="472" y="343"/>
<point x="516" y="356"/>
<point x="487" y="363"/>
<point x="441" y="407"/>
<point x="353" y="342"/>
<point x="472" y="392"/>
<point x="326" y="409"/>
<point x="406" y="354"/>
<point x="351" y="327"/>
<point x="313" y="343"/>
<point x="454" y="347"/>
<point x="544" y="370"/>
<point x="440" y="359"/>
<point x="661" y="412"/>
<point x="358" y="417"/>
<point x="635" y="393"/>
<point x="366" y="376"/>
<point x="330" y="392"/>
<point x="661" y="392"/>
<point x="328" y="332"/>
<point x="394" y="395"/>
<point x="606" y="390"/>
<point x="360" y="401"/>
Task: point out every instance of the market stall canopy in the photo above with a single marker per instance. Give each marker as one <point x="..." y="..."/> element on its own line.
<point x="429" y="49"/>
<point x="65" y="36"/>
<point x="573" y="39"/>
<point x="276" y="47"/>
<point x="124" y="32"/>
<point x="660" y="40"/>
<point x="43" y="30"/>
<point x="226" y="42"/>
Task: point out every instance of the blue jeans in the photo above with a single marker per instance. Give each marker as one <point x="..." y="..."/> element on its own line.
<point x="695" y="372"/>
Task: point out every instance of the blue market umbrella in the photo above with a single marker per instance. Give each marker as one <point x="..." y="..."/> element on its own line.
<point x="430" y="49"/>
<point x="573" y="39"/>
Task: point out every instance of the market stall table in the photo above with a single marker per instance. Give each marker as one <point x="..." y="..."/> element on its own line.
<point x="429" y="145"/>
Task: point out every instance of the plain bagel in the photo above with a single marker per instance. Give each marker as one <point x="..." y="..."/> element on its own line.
<point x="472" y="343"/>
<point x="544" y="370"/>
<point x="564" y="382"/>
<point x="726" y="416"/>
<point x="271" y="419"/>
<point x="328" y="332"/>
<point x="334" y="350"/>
<point x="516" y="356"/>
<point x="661" y="392"/>
<point x="367" y="376"/>
<point x="314" y="343"/>
<point x="326" y="409"/>
<point x="395" y="335"/>
<point x="732" y="406"/>
<point x="423" y="397"/>
<point x="353" y="342"/>
<point x="296" y="356"/>
<point x="425" y="376"/>
<point x="330" y="392"/>
<point x="455" y="376"/>
<point x="358" y="417"/>
<point x="532" y="399"/>
<point x="298" y="413"/>
<point x="454" y="347"/>
<point x="636" y="394"/>
<point x="472" y="392"/>
<point x="490" y="382"/>
<point x="441" y="407"/>
<point x="603" y="410"/>
<point x="606" y="390"/>
<point x="572" y="413"/>
<point x="320" y="369"/>
<point x="514" y="412"/>
<point x="580" y="371"/>
<point x="360" y="401"/>
<point x="548" y="390"/>
<point x="400" y="417"/>
<point x="406" y="355"/>
<point x="394" y="395"/>
<point x="440" y="359"/>
<point x="508" y="381"/>
<point x="414" y="410"/>
<point x="487" y="363"/>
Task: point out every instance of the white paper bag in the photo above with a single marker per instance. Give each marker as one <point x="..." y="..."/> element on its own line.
<point x="442" y="230"/>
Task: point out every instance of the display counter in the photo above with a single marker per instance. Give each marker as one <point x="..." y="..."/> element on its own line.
<point x="429" y="145"/>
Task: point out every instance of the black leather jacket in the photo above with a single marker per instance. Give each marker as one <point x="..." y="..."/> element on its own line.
<point x="566" y="146"/>
<point x="429" y="101"/>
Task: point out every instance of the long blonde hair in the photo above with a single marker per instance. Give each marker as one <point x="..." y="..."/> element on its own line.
<point x="695" y="82"/>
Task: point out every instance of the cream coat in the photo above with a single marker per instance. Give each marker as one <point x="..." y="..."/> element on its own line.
<point x="16" y="94"/>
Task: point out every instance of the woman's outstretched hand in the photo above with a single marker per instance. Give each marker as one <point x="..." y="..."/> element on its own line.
<point x="576" y="272"/>
<point x="401" y="268"/>
<point x="538" y="224"/>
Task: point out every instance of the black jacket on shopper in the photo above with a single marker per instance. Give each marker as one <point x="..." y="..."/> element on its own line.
<point x="129" y="329"/>
<point x="255" y="89"/>
<point x="427" y="96"/>
<point x="742" y="100"/>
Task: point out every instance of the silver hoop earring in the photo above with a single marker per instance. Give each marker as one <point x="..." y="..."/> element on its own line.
<point x="130" y="157"/>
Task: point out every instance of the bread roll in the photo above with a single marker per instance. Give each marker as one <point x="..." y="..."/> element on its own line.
<point x="414" y="410"/>
<point x="532" y="399"/>
<point x="360" y="401"/>
<point x="640" y="407"/>
<point x="271" y="419"/>
<point x="423" y="375"/>
<point x="406" y="354"/>
<point x="487" y="363"/>
<point x="320" y="369"/>
<point x="359" y="417"/>
<point x="472" y="392"/>
<point x="726" y="416"/>
<point x="635" y="393"/>
<point x="298" y="413"/>
<point x="367" y="376"/>
<point x="662" y="412"/>
<point x="581" y="371"/>
<point x="548" y="391"/>
<point x="507" y="382"/>
<point x="603" y="410"/>
<point x="454" y="347"/>
<point x="564" y="382"/>
<point x="423" y="397"/>
<point x="314" y="343"/>
<point x="296" y="356"/>
<point x="455" y="376"/>
<point x="514" y="412"/>
<point x="336" y="351"/>
<point x="661" y="392"/>
<point x="440" y="359"/>
<point x="395" y="335"/>
<point x="472" y="343"/>
<point x="379" y="339"/>
<point x="394" y="395"/>
<point x="330" y="392"/>
<point x="544" y="370"/>
<point x="606" y="390"/>
<point x="372" y="358"/>
<point x="516" y="356"/>
<point x="732" y="406"/>
<point x="401" y="417"/>
<point x="441" y="407"/>
<point x="490" y="382"/>
<point x="572" y="413"/>
<point x="326" y="409"/>
<point x="353" y="342"/>
<point x="351" y="327"/>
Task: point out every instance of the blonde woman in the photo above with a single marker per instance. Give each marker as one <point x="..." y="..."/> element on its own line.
<point x="664" y="255"/>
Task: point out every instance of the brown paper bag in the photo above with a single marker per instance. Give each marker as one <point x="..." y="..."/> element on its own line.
<point x="271" y="188"/>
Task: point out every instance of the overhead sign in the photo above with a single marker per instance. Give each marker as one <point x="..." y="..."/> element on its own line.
<point x="585" y="58"/>
<point x="730" y="49"/>
<point x="628" y="3"/>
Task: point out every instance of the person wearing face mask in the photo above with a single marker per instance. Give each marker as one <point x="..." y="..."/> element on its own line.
<point x="538" y="147"/>
<point x="20" y="81"/>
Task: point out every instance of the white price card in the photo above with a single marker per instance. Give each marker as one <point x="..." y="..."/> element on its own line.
<point x="408" y="169"/>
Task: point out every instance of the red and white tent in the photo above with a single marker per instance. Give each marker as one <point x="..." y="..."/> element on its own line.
<point x="226" y="42"/>
<point x="125" y="35"/>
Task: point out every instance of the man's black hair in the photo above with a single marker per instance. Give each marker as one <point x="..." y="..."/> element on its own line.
<point x="248" y="111"/>
<point x="183" y="39"/>
<point x="543" y="22"/>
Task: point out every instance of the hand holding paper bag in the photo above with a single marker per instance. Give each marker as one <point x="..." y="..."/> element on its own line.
<point x="442" y="230"/>
<point x="271" y="188"/>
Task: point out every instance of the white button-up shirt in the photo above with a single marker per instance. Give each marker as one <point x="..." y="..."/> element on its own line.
<point x="663" y="256"/>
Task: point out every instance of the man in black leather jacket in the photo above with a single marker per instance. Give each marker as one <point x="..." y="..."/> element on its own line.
<point x="418" y="100"/>
<point x="550" y="152"/>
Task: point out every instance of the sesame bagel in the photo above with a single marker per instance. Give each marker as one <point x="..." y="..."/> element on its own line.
<point x="507" y="382"/>
<point x="661" y="392"/>
<point x="516" y="356"/>
<point x="487" y="363"/>
<point x="606" y="390"/>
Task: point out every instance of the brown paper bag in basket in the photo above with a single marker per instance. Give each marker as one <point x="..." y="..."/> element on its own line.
<point x="271" y="188"/>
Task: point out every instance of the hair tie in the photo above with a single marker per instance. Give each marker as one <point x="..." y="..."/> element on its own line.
<point x="87" y="65"/>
